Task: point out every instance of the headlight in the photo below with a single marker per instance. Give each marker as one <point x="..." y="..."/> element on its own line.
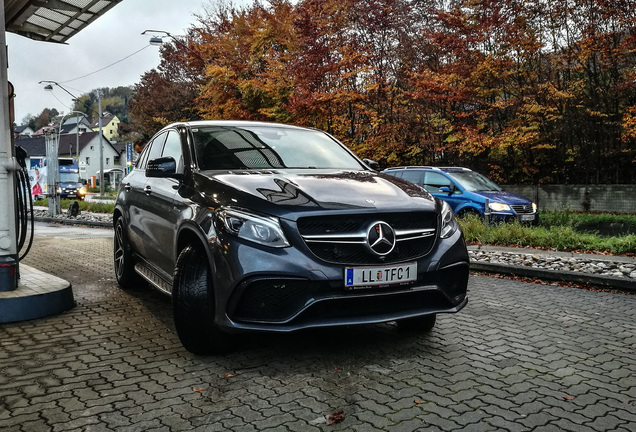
<point x="258" y="229"/>
<point x="495" y="206"/>
<point x="82" y="191"/>
<point x="534" y="207"/>
<point x="449" y="223"/>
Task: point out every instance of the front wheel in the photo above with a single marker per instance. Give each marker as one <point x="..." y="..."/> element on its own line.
<point x="194" y="305"/>
<point x="469" y="213"/>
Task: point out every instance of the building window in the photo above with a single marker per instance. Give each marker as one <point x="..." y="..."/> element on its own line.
<point x="92" y="147"/>
<point x="88" y="160"/>
<point x="107" y="161"/>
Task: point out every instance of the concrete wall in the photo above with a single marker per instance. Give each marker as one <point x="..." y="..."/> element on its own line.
<point x="592" y="198"/>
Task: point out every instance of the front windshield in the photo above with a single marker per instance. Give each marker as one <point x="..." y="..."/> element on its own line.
<point x="268" y="147"/>
<point x="474" y="182"/>
<point x="69" y="177"/>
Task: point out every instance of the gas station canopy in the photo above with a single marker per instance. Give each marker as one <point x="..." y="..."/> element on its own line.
<point x="52" y="20"/>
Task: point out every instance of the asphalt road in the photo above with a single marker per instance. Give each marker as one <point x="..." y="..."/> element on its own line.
<point x="519" y="357"/>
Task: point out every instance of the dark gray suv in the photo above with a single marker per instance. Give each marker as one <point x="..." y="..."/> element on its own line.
<point x="269" y="227"/>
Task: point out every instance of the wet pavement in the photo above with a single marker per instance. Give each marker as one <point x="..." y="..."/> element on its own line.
<point x="519" y="357"/>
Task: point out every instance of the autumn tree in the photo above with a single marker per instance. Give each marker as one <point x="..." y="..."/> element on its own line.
<point x="523" y="90"/>
<point x="166" y="94"/>
<point x="247" y="53"/>
<point x="46" y="116"/>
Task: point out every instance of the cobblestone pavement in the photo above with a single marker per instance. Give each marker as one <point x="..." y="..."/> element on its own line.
<point x="519" y="357"/>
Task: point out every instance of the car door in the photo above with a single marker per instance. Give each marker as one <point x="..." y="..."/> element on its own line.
<point x="434" y="181"/>
<point x="413" y="175"/>
<point x="133" y="192"/>
<point x="162" y="210"/>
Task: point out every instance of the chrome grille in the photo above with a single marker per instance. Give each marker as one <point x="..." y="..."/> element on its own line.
<point x="520" y="209"/>
<point x="342" y="239"/>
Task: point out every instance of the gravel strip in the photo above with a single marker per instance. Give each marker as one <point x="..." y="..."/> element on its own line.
<point x="583" y="264"/>
<point x="89" y="218"/>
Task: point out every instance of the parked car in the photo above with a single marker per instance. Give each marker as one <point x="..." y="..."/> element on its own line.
<point x="268" y="227"/>
<point x="467" y="191"/>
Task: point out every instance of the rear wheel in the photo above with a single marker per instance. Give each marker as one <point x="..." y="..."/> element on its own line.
<point x="194" y="305"/>
<point x="421" y="324"/>
<point x="123" y="258"/>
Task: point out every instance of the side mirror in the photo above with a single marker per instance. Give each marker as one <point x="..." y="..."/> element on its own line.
<point x="163" y="167"/>
<point x="371" y="164"/>
<point x="445" y="189"/>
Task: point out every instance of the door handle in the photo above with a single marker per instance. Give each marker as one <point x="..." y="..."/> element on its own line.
<point x="127" y="186"/>
<point x="148" y="190"/>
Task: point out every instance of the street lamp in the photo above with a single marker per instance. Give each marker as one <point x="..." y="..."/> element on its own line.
<point x="156" y="40"/>
<point x="49" y="87"/>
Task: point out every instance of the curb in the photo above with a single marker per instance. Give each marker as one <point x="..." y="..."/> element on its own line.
<point x="66" y="221"/>
<point x="564" y="276"/>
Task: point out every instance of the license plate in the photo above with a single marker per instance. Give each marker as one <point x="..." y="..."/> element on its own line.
<point x="374" y="276"/>
<point x="526" y="217"/>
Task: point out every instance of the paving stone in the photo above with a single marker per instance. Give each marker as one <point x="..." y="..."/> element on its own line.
<point x="510" y="361"/>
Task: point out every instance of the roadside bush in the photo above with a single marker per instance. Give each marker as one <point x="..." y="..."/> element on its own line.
<point x="557" y="231"/>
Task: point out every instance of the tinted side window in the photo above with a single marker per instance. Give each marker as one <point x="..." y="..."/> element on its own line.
<point x="433" y="181"/>
<point x="397" y="174"/>
<point x="143" y="158"/>
<point x="414" y="176"/>
<point x="172" y="148"/>
<point x="156" y="146"/>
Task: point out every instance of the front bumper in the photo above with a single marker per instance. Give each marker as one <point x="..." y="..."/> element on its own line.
<point x="287" y="289"/>
<point x="529" y="218"/>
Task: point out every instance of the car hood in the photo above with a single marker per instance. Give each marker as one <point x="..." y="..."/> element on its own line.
<point x="322" y="189"/>
<point x="504" y="197"/>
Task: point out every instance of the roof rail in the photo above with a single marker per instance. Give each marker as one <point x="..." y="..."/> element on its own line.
<point x="456" y="167"/>
<point x="428" y="167"/>
<point x="412" y="167"/>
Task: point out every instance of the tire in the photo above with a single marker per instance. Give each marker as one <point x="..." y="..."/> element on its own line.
<point x="468" y="213"/>
<point x="419" y="324"/>
<point x="194" y="305"/>
<point x="125" y="273"/>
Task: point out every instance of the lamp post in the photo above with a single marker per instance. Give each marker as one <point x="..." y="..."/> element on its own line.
<point x="156" y="40"/>
<point x="49" y="87"/>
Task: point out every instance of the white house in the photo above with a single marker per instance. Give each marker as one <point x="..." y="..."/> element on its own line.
<point x="88" y="145"/>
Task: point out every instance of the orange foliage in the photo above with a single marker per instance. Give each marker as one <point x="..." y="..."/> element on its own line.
<point x="525" y="91"/>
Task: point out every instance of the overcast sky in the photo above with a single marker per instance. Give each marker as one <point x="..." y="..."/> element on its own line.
<point x="112" y="37"/>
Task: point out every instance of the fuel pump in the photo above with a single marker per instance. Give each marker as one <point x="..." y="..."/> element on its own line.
<point x="8" y="166"/>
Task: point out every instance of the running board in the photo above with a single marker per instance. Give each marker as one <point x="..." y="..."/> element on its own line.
<point x="153" y="278"/>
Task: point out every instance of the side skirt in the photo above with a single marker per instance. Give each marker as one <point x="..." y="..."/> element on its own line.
<point x="153" y="278"/>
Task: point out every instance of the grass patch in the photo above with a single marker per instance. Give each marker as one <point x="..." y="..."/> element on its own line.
<point x="557" y="231"/>
<point x="92" y="207"/>
<point x="574" y="219"/>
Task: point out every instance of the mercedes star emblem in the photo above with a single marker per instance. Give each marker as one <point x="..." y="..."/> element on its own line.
<point x="381" y="238"/>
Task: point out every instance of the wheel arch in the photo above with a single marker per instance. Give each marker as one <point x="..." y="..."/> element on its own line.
<point x="117" y="213"/>
<point x="468" y="208"/>
<point x="190" y="234"/>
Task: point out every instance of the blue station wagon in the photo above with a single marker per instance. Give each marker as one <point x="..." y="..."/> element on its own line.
<point x="466" y="191"/>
